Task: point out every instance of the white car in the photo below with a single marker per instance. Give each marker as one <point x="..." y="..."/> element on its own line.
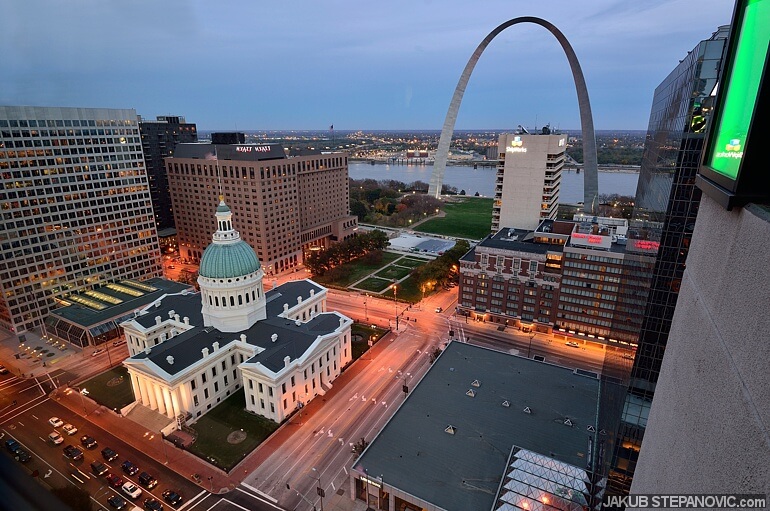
<point x="55" y="422"/>
<point x="56" y="438"/>
<point x="69" y="429"/>
<point x="132" y="490"/>
<point x="572" y="344"/>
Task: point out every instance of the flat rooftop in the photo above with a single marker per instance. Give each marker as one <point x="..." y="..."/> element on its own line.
<point x="462" y="471"/>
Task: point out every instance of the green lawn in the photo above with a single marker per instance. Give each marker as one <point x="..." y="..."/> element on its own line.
<point x="393" y="272"/>
<point x="228" y="416"/>
<point x="411" y="262"/>
<point x="111" y="388"/>
<point x="469" y="218"/>
<point x="353" y="271"/>
<point x="374" y="284"/>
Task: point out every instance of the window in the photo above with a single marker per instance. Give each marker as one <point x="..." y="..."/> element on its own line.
<point x="216" y="386"/>
<point x="272" y="407"/>
<point x="195" y="400"/>
<point x="284" y="404"/>
<point x="262" y="403"/>
<point x="292" y="381"/>
<point x="225" y="379"/>
<point x="224" y="365"/>
<point x="270" y="391"/>
<point x="283" y="388"/>
<point x="251" y="384"/>
<point x="213" y="371"/>
<point x="192" y="384"/>
<point x="203" y="377"/>
<point x="260" y="388"/>
<point x="205" y="393"/>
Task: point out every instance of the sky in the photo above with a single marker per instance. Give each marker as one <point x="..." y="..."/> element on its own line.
<point x="357" y="65"/>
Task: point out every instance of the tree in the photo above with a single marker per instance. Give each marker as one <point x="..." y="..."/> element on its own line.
<point x="434" y="353"/>
<point x="359" y="446"/>
<point x="358" y="209"/>
<point x="462" y="192"/>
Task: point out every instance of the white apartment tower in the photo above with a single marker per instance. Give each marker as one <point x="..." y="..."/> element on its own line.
<point x="528" y="179"/>
<point x="75" y="207"/>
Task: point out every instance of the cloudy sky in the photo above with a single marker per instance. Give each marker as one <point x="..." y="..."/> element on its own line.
<point x="239" y="64"/>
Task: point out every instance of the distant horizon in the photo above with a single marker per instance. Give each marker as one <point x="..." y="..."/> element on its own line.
<point x="396" y="130"/>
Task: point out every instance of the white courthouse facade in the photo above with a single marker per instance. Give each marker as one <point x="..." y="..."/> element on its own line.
<point x="189" y="351"/>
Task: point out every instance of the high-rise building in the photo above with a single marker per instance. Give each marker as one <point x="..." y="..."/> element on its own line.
<point x="76" y="207"/>
<point x="666" y="206"/>
<point x="528" y="178"/>
<point x="286" y="206"/>
<point x="159" y="138"/>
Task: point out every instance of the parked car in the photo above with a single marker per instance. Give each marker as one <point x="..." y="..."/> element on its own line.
<point x="55" y="437"/>
<point x="117" y="502"/>
<point x="172" y="497"/>
<point x="153" y="504"/>
<point x="73" y="453"/>
<point x="21" y="456"/>
<point x="55" y="422"/>
<point x="439" y="309"/>
<point x="12" y="445"/>
<point x="97" y="351"/>
<point x="69" y="429"/>
<point x="99" y="468"/>
<point x="3" y="369"/>
<point x="129" y="468"/>
<point x="147" y="480"/>
<point x="572" y="344"/>
<point x="114" y="480"/>
<point x="132" y="490"/>
<point x="88" y="442"/>
<point x="109" y="455"/>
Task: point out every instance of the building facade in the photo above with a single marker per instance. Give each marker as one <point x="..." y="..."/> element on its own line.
<point x="188" y="351"/>
<point x="562" y="277"/>
<point x="159" y="138"/>
<point x="666" y="206"/>
<point x="286" y="206"/>
<point x="528" y="179"/>
<point x="76" y="207"/>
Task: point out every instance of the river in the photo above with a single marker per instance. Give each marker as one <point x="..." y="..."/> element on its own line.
<point x="482" y="180"/>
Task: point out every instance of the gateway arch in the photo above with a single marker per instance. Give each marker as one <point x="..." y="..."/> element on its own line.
<point x="590" y="176"/>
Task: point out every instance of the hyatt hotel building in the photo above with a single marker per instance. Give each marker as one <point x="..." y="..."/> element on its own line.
<point x="75" y="208"/>
<point x="283" y="206"/>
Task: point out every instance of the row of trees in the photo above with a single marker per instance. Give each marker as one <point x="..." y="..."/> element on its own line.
<point x="441" y="270"/>
<point x="321" y="261"/>
<point x="393" y="203"/>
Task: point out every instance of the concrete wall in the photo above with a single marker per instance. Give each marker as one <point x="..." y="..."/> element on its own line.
<point x="709" y="427"/>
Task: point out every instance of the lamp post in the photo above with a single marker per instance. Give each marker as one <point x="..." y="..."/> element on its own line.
<point x="395" y="301"/>
<point x="318" y="488"/>
<point x="531" y="336"/>
<point x="366" y="311"/>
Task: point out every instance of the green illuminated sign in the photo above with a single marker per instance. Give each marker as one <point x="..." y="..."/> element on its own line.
<point x="741" y="87"/>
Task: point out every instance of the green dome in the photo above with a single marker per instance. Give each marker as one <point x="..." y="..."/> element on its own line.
<point x="228" y="260"/>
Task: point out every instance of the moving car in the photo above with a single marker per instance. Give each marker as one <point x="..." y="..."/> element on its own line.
<point x="172" y="497"/>
<point x="55" y="437"/>
<point x="114" y="480"/>
<point x="153" y="504"/>
<point x="55" y="422"/>
<point x="109" y="455"/>
<point x="117" y="502"/>
<point x="147" y="480"/>
<point x="99" y="468"/>
<point x="572" y="344"/>
<point x="129" y="468"/>
<point x="88" y="442"/>
<point x="3" y="369"/>
<point x="73" y="453"/>
<point x="132" y="490"/>
<point x="69" y="429"/>
<point x="439" y="309"/>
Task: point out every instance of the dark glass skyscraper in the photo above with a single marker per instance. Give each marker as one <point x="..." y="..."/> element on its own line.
<point x="159" y="138"/>
<point x="664" y="216"/>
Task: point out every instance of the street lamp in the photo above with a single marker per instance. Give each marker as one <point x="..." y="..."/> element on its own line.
<point x="395" y="301"/>
<point x="531" y="336"/>
<point x="318" y="488"/>
<point x="366" y="311"/>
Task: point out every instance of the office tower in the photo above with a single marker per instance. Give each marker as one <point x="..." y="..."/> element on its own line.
<point x="666" y="206"/>
<point x="286" y="206"/>
<point x="159" y="138"/>
<point x="76" y="207"/>
<point x="528" y="178"/>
